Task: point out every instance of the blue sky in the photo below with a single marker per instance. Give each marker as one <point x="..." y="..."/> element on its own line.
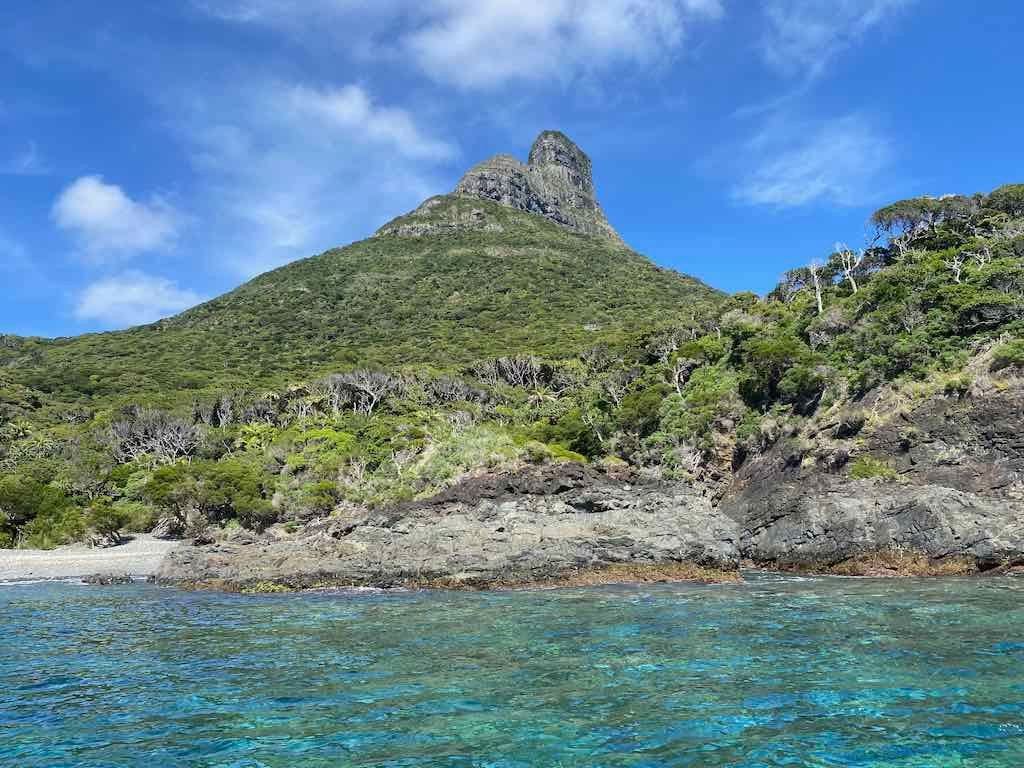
<point x="155" y="154"/>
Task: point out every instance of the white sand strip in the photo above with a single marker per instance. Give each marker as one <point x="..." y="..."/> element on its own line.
<point x="139" y="557"/>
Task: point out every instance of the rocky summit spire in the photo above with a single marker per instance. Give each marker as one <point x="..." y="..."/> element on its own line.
<point x="556" y="182"/>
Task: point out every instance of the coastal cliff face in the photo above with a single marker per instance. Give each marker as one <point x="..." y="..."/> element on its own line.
<point x="951" y="485"/>
<point x="556" y="182"/>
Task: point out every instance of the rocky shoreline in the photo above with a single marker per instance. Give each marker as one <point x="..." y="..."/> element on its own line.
<point x="530" y="527"/>
<point x="951" y="503"/>
<point x="569" y="525"/>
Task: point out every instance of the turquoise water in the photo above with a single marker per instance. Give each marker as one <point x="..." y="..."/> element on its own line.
<point x="775" y="672"/>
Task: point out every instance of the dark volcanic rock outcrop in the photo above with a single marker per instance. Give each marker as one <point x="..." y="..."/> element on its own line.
<point x="820" y="522"/>
<point x="556" y="182"/>
<point x="509" y="528"/>
<point x="956" y="488"/>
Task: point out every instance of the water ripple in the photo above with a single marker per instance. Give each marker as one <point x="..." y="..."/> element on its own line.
<point x="781" y="671"/>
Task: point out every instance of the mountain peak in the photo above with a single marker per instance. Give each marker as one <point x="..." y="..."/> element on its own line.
<point x="556" y="182"/>
<point x="553" y="149"/>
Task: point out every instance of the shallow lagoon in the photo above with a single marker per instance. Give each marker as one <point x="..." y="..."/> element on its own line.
<point x="775" y="672"/>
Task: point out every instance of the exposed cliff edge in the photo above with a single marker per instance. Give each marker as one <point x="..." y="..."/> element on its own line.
<point x="556" y="182"/>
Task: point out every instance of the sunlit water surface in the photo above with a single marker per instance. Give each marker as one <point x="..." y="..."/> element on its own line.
<point x="775" y="672"/>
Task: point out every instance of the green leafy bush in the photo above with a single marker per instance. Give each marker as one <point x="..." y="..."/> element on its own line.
<point x="1010" y="354"/>
<point x="219" y="491"/>
<point x="38" y="513"/>
<point x="105" y="518"/>
<point x="868" y="468"/>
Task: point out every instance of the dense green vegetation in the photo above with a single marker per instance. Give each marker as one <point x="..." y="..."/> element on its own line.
<point x="384" y="371"/>
<point x="384" y="302"/>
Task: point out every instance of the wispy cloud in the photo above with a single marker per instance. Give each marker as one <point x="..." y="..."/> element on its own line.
<point x="284" y="169"/>
<point x="350" y="110"/>
<point x="110" y="225"/>
<point x="839" y="161"/>
<point x="489" y="43"/>
<point x="132" y="298"/>
<point x="25" y="162"/>
<point x="803" y="37"/>
<point x="15" y="261"/>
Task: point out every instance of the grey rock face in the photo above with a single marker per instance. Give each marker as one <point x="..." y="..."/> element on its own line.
<point x="827" y="521"/>
<point x="441" y="215"/>
<point x="505" y="528"/>
<point x="557" y="182"/>
<point x="959" y="465"/>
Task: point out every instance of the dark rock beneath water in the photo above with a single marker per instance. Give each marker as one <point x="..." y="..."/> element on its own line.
<point x="107" y="579"/>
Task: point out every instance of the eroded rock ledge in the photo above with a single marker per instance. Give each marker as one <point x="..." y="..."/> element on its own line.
<point x="565" y="524"/>
<point x="543" y="525"/>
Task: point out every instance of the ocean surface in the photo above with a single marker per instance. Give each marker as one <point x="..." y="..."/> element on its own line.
<point x="775" y="672"/>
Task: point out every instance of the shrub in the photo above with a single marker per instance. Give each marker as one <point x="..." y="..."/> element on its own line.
<point x="52" y="530"/>
<point x="710" y="394"/>
<point x="105" y="518"/>
<point x="957" y="386"/>
<point x="33" y="509"/>
<point x="1009" y="355"/>
<point x="561" y="453"/>
<point x="639" y="410"/>
<point x="766" y="360"/>
<point x="868" y="468"/>
<point x="139" y="517"/>
<point x="802" y="386"/>
<point x="217" y="490"/>
<point x="320" y="497"/>
<point x="1008" y="199"/>
<point x="572" y="432"/>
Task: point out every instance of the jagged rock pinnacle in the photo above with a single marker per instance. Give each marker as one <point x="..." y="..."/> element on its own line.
<point x="556" y="182"/>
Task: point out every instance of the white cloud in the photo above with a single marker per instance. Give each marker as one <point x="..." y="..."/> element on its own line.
<point x="109" y="224"/>
<point x="349" y="109"/>
<point x="286" y="169"/>
<point x="490" y="42"/>
<point x="840" y="161"/>
<point x="487" y="43"/>
<point x="133" y="298"/>
<point x="804" y="36"/>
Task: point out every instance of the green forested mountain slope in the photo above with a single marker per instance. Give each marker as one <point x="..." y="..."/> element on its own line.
<point x="523" y="284"/>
